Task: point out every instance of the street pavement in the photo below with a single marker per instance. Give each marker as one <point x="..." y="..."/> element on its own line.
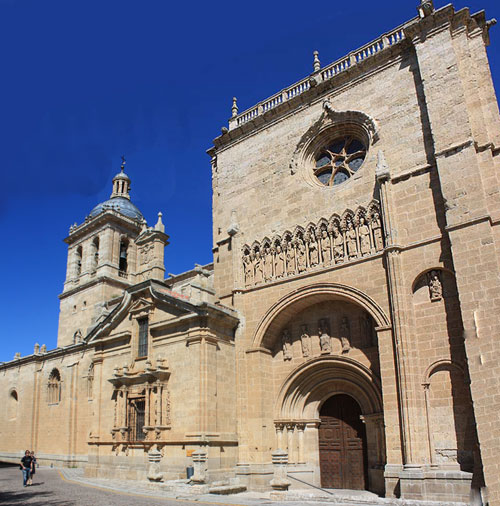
<point x="68" y="487"/>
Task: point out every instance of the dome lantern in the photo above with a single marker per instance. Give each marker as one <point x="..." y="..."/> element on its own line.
<point x="121" y="183"/>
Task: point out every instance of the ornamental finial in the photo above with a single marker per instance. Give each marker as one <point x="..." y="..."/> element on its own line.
<point x="316" y="62"/>
<point x="426" y="8"/>
<point x="234" y="108"/>
<point x="123" y="163"/>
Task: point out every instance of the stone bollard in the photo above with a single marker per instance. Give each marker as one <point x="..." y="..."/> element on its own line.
<point x="200" y="466"/>
<point x="154" y="474"/>
<point x="280" y="461"/>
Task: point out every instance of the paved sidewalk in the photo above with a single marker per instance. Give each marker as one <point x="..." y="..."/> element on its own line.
<point x="69" y="487"/>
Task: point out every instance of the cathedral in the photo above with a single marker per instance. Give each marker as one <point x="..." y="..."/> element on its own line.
<point x="346" y="333"/>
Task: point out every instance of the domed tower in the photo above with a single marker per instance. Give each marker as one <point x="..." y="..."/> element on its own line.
<point x="110" y="251"/>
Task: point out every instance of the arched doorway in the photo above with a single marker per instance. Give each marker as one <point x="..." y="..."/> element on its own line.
<point x="342" y="444"/>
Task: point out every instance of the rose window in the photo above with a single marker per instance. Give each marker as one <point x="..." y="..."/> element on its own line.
<point x="339" y="160"/>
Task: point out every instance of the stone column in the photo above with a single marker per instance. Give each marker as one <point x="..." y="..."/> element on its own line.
<point x="398" y="307"/>
<point x="428" y="423"/>
<point x="289" y="429"/>
<point x="200" y="466"/>
<point x="280" y="461"/>
<point x="300" y="432"/>
<point x="279" y="435"/>
<point x="160" y="405"/>
<point x="154" y="457"/>
<point x="148" y="405"/>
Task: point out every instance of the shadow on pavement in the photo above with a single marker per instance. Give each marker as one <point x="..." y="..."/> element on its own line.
<point x="10" y="498"/>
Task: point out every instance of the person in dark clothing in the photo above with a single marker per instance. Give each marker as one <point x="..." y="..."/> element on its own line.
<point x="33" y="467"/>
<point x="26" y="467"/>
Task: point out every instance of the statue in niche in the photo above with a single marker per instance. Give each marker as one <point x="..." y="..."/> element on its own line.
<point x="267" y="263"/>
<point x="313" y="251"/>
<point x="367" y="331"/>
<point x="326" y="247"/>
<point x="378" y="240"/>
<point x="352" y="247"/>
<point x="286" y="345"/>
<point x="248" y="268"/>
<point x="325" y="341"/>
<point x="435" y="286"/>
<point x="345" y="335"/>
<point x="259" y="274"/>
<point x="338" y="244"/>
<point x="290" y="258"/>
<point x="77" y="336"/>
<point x="301" y="255"/>
<point x="279" y="266"/>
<point x="364" y="237"/>
<point x="305" y="341"/>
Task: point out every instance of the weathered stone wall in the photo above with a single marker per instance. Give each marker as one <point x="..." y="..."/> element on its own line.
<point x="431" y="103"/>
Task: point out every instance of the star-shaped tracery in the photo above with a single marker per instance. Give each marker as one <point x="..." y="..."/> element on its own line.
<point x="339" y="160"/>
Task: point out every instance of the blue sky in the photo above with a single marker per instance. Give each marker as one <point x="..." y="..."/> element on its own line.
<point x="85" y="82"/>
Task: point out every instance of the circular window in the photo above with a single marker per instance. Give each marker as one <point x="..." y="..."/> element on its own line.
<point x="338" y="160"/>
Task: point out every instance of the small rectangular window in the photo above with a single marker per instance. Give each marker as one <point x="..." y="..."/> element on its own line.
<point x="143" y="338"/>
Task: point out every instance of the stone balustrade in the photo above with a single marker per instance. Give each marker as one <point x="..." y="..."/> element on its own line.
<point x="385" y="41"/>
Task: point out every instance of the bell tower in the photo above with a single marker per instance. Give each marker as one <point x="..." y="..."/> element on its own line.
<point x="111" y="250"/>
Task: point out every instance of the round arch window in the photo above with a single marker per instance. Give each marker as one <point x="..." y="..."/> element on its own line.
<point x="338" y="160"/>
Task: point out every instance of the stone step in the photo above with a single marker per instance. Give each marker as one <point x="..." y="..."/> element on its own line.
<point x="227" y="489"/>
<point x="351" y="497"/>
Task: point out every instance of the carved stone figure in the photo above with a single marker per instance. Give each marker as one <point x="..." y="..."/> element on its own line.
<point x="286" y="345"/>
<point x="338" y="244"/>
<point x="345" y="335"/>
<point x="364" y="237"/>
<point x="368" y="334"/>
<point x="325" y="342"/>
<point x="378" y="240"/>
<point x="326" y="247"/>
<point x="267" y="263"/>
<point x="313" y="251"/>
<point x="435" y="286"/>
<point x="352" y="247"/>
<point x="146" y="254"/>
<point x="279" y="266"/>
<point x="77" y="336"/>
<point x="259" y="273"/>
<point x="301" y="255"/>
<point x="305" y="341"/>
<point x="248" y="268"/>
<point x="290" y="258"/>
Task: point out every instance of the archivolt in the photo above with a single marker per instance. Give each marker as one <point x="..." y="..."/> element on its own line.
<point x="442" y="365"/>
<point x="301" y="298"/>
<point x="306" y="388"/>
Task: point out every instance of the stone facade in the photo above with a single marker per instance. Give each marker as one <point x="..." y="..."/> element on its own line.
<point x="355" y="278"/>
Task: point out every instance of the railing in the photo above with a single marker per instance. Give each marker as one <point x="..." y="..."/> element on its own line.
<point x="341" y="65"/>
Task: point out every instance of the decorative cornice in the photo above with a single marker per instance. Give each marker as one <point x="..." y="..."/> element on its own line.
<point x="91" y="224"/>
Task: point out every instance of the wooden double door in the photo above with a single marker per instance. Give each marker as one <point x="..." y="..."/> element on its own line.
<point x="342" y="444"/>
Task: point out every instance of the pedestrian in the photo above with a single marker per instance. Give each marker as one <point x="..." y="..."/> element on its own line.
<point x="26" y="467"/>
<point x="33" y="467"/>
